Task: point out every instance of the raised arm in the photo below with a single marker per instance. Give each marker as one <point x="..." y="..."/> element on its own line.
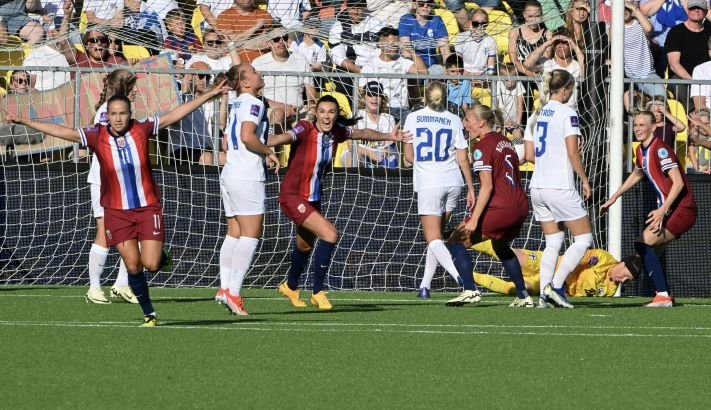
<point x="280" y="139"/>
<point x="56" y="130"/>
<point x="571" y="146"/>
<point x="173" y="116"/>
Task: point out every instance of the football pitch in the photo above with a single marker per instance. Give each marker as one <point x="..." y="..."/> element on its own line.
<point x="374" y="350"/>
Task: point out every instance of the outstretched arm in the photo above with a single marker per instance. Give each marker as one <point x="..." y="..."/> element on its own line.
<point x="280" y="139"/>
<point x="631" y="181"/>
<point x="173" y="116"/>
<point x="371" y="135"/>
<point x="56" y="130"/>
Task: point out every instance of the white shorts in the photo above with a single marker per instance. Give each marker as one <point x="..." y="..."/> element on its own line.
<point x="241" y="197"/>
<point x="560" y="205"/>
<point x="96" y="200"/>
<point x="436" y="201"/>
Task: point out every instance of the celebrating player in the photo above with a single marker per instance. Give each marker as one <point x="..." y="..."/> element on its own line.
<point x="313" y="145"/>
<point x="129" y="195"/>
<point x="118" y="82"/>
<point x="502" y="206"/>
<point x="551" y="140"/>
<point x="676" y="208"/>
<point x="438" y="151"/>
<point x="598" y="274"/>
<point x="242" y="180"/>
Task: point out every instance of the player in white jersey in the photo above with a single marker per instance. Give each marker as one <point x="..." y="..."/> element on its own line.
<point x="118" y="82"/>
<point x="551" y="141"/>
<point x="242" y="182"/>
<point x="438" y="150"/>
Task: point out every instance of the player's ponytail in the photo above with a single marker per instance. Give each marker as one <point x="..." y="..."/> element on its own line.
<point x="340" y="119"/>
<point x="553" y="81"/>
<point x="233" y="77"/>
<point x="436" y="96"/>
<point x="118" y="82"/>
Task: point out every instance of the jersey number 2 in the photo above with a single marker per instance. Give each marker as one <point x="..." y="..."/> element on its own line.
<point x="432" y="145"/>
<point x="541" y="132"/>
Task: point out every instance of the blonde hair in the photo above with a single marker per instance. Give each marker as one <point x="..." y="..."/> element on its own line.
<point x="570" y="24"/>
<point x="491" y="116"/>
<point x="553" y="81"/>
<point x="436" y="96"/>
<point x="118" y="82"/>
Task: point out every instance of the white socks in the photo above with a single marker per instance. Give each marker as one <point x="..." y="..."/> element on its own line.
<point x="441" y="253"/>
<point x="550" y="256"/>
<point x="97" y="259"/>
<point x="241" y="260"/>
<point x="122" y="278"/>
<point x="571" y="258"/>
<point x="430" y="268"/>
<point x="226" y="251"/>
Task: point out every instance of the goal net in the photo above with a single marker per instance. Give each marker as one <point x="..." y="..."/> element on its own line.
<point x="46" y="206"/>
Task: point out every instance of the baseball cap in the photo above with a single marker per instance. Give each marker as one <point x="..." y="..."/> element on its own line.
<point x="374" y="88"/>
<point x="703" y="4"/>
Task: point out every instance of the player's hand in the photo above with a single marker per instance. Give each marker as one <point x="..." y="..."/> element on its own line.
<point x="604" y="207"/>
<point x="219" y="89"/>
<point x="12" y="118"/>
<point x="398" y="134"/>
<point x="587" y="191"/>
<point x="471" y="225"/>
<point x="471" y="200"/>
<point x="655" y="219"/>
<point x="273" y="162"/>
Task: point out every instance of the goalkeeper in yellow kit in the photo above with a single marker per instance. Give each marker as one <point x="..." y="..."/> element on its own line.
<point x="598" y="273"/>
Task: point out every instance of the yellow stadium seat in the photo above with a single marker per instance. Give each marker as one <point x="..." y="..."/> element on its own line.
<point x="470" y="6"/>
<point x="500" y="25"/>
<point x="134" y="52"/>
<point x="450" y="23"/>
<point x="196" y="22"/>
<point x="83" y="22"/>
<point x="11" y="54"/>
<point x="482" y="94"/>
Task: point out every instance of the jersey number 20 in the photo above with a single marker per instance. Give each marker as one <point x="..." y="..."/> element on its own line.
<point x="432" y="146"/>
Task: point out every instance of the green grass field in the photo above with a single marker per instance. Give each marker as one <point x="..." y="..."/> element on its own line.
<point x="375" y="350"/>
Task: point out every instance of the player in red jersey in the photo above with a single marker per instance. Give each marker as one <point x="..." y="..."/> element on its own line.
<point x="129" y="195"/>
<point x="676" y="211"/>
<point x="501" y="207"/>
<point x="313" y="145"/>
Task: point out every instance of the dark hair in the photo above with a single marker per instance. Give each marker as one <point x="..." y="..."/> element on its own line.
<point x="632" y="263"/>
<point x="387" y="31"/>
<point x="454" y="60"/>
<point x="119" y="97"/>
<point x="233" y="77"/>
<point x="119" y="82"/>
<point x="341" y="120"/>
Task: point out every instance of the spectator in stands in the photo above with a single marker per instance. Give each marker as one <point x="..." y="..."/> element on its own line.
<point x="214" y="53"/>
<point x="142" y="25"/>
<point x="459" y="92"/>
<point x="211" y="10"/>
<point x="394" y="61"/>
<point x="699" y="134"/>
<point x="528" y="37"/>
<point x="701" y="93"/>
<point x="180" y="36"/>
<point x="161" y="7"/>
<point x="104" y="12"/>
<point x="638" y="56"/>
<point x="373" y="114"/>
<point x="389" y="11"/>
<point x="240" y="23"/>
<point x="20" y="83"/>
<point x="191" y="138"/>
<point x="18" y="23"/>
<point x="353" y="37"/>
<point x="50" y="54"/>
<point x="562" y="58"/>
<point x="684" y="47"/>
<point x="663" y="14"/>
<point x="667" y="125"/>
<point x="287" y="90"/>
<point x="310" y="47"/>
<point x="476" y="47"/>
<point x="576" y="20"/>
<point x="97" y="54"/>
<point x="509" y="100"/>
<point x="289" y="13"/>
<point x="425" y="33"/>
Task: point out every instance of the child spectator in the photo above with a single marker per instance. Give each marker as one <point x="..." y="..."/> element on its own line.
<point x="509" y="100"/>
<point x="699" y="156"/>
<point x="476" y="47"/>
<point x="180" y="38"/>
<point x="310" y="47"/>
<point x="667" y="125"/>
<point x="459" y="92"/>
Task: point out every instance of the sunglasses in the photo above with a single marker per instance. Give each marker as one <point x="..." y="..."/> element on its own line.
<point x="115" y="41"/>
<point x="213" y="42"/>
<point x="104" y="40"/>
<point x="283" y="38"/>
<point x="428" y="4"/>
<point x="202" y="76"/>
<point x="482" y="24"/>
<point x="19" y="80"/>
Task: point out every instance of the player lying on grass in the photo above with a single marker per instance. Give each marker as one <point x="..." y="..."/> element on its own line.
<point x="598" y="273"/>
<point x="130" y="197"/>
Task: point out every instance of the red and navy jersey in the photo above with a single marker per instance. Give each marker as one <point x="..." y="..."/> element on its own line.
<point x="126" y="178"/>
<point x="497" y="154"/>
<point x="311" y="154"/>
<point x="656" y="160"/>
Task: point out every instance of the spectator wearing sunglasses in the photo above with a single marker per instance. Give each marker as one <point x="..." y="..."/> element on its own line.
<point x="242" y="22"/>
<point x="215" y="53"/>
<point x="96" y="52"/>
<point x="19" y="83"/>
<point x="477" y="49"/>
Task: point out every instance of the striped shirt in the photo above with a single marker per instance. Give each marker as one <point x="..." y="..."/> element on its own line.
<point x="638" y="57"/>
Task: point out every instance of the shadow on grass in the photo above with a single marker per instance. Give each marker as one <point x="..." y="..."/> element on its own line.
<point x="211" y="322"/>
<point x="168" y="299"/>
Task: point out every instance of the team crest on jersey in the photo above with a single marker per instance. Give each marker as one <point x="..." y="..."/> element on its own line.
<point x="327" y="139"/>
<point x="600" y="291"/>
<point x="662" y="153"/>
<point x="254" y="110"/>
<point x="574" y="121"/>
<point x="430" y="33"/>
<point x="108" y="234"/>
<point x="477" y="155"/>
<point x="301" y="208"/>
<point x="532" y="256"/>
<point x="593" y="260"/>
<point x="121" y="142"/>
